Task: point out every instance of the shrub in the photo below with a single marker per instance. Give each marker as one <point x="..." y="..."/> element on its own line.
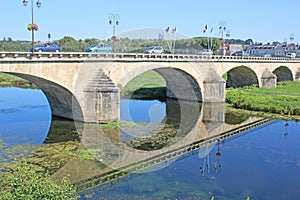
<point x="22" y="182"/>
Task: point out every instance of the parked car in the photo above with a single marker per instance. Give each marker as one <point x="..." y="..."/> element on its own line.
<point x="240" y="53"/>
<point x="47" y="47"/>
<point x="267" y="55"/>
<point x="154" y="50"/>
<point x="102" y="47"/>
<point x="290" y="55"/>
<point x="205" y="52"/>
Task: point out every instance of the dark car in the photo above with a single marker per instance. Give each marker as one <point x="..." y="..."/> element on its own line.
<point x="240" y="53"/>
<point x="46" y="48"/>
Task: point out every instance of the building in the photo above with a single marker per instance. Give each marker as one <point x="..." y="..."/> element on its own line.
<point x="267" y="50"/>
<point x="232" y="48"/>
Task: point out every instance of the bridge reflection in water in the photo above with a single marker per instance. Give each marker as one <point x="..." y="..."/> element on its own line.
<point x="198" y="127"/>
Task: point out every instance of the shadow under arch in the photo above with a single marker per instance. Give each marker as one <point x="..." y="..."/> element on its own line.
<point x="283" y="73"/>
<point x="179" y="84"/>
<point x="241" y="76"/>
<point x="62" y="102"/>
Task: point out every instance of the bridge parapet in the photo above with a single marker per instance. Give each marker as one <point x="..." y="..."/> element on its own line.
<point x="84" y="56"/>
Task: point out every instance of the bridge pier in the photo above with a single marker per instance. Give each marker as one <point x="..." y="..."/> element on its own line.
<point x="297" y="76"/>
<point x="214" y="88"/>
<point x="101" y="97"/>
<point x="268" y="80"/>
<point x="102" y="106"/>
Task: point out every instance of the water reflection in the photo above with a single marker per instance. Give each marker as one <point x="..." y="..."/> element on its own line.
<point x="155" y="124"/>
<point x="187" y="147"/>
<point x="181" y="130"/>
<point x="205" y="155"/>
<point x="232" y="168"/>
<point x="25" y="119"/>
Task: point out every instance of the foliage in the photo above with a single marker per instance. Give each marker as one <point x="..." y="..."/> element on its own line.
<point x="7" y="80"/>
<point x="239" y="41"/>
<point x="281" y="100"/>
<point x="22" y="182"/>
<point x="69" y="44"/>
<point x="9" y="45"/>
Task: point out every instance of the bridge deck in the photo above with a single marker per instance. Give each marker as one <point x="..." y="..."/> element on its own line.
<point x="84" y="57"/>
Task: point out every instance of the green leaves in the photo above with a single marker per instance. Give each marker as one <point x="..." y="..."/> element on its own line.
<point x="24" y="183"/>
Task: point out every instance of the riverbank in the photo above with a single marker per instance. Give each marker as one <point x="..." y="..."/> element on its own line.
<point x="146" y="86"/>
<point x="7" y="80"/>
<point x="283" y="100"/>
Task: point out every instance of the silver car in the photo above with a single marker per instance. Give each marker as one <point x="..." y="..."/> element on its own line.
<point x="154" y="50"/>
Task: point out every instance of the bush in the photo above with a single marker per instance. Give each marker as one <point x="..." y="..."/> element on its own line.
<point x="22" y="182"/>
<point x="287" y="105"/>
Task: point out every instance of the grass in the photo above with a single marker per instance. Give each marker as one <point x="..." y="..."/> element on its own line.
<point x="8" y="80"/>
<point x="283" y="100"/>
<point x="282" y="89"/>
<point x="147" y="85"/>
<point x="149" y="79"/>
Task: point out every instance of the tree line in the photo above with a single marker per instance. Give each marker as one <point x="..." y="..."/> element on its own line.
<point x="69" y="44"/>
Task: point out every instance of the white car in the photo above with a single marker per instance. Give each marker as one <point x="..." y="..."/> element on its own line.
<point x="154" y="50"/>
<point x="205" y="52"/>
<point x="291" y="55"/>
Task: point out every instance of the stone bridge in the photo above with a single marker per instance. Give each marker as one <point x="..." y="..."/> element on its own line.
<point x="86" y="86"/>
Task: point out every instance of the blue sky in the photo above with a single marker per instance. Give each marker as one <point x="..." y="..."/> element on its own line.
<point x="260" y="20"/>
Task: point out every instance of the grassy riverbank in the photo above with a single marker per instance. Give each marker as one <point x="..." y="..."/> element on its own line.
<point x="7" y="80"/>
<point x="148" y="85"/>
<point x="283" y="100"/>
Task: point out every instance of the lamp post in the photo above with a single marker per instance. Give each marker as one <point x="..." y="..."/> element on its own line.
<point x="222" y="28"/>
<point x="32" y="27"/>
<point x="114" y="21"/>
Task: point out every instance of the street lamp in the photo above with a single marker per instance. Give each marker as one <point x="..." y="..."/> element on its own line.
<point x="33" y="26"/>
<point x="114" y="21"/>
<point x="222" y="28"/>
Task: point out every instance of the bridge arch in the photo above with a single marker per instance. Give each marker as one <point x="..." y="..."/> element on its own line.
<point x="241" y="76"/>
<point x="283" y="73"/>
<point x="182" y="84"/>
<point x="62" y="102"/>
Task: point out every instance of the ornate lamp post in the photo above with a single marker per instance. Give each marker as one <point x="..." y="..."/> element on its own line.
<point x="32" y="27"/>
<point x="114" y="21"/>
<point x="222" y="28"/>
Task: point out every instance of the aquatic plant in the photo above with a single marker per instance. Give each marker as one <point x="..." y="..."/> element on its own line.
<point x="23" y="182"/>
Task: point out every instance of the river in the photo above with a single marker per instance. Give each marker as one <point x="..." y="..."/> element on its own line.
<point x="261" y="163"/>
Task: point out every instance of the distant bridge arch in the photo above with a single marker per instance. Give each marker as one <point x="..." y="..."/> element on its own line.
<point x="283" y="73"/>
<point x="241" y="76"/>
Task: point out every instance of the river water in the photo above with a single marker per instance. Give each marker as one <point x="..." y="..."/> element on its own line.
<point x="261" y="163"/>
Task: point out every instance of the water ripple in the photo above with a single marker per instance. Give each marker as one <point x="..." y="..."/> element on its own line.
<point x="9" y="110"/>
